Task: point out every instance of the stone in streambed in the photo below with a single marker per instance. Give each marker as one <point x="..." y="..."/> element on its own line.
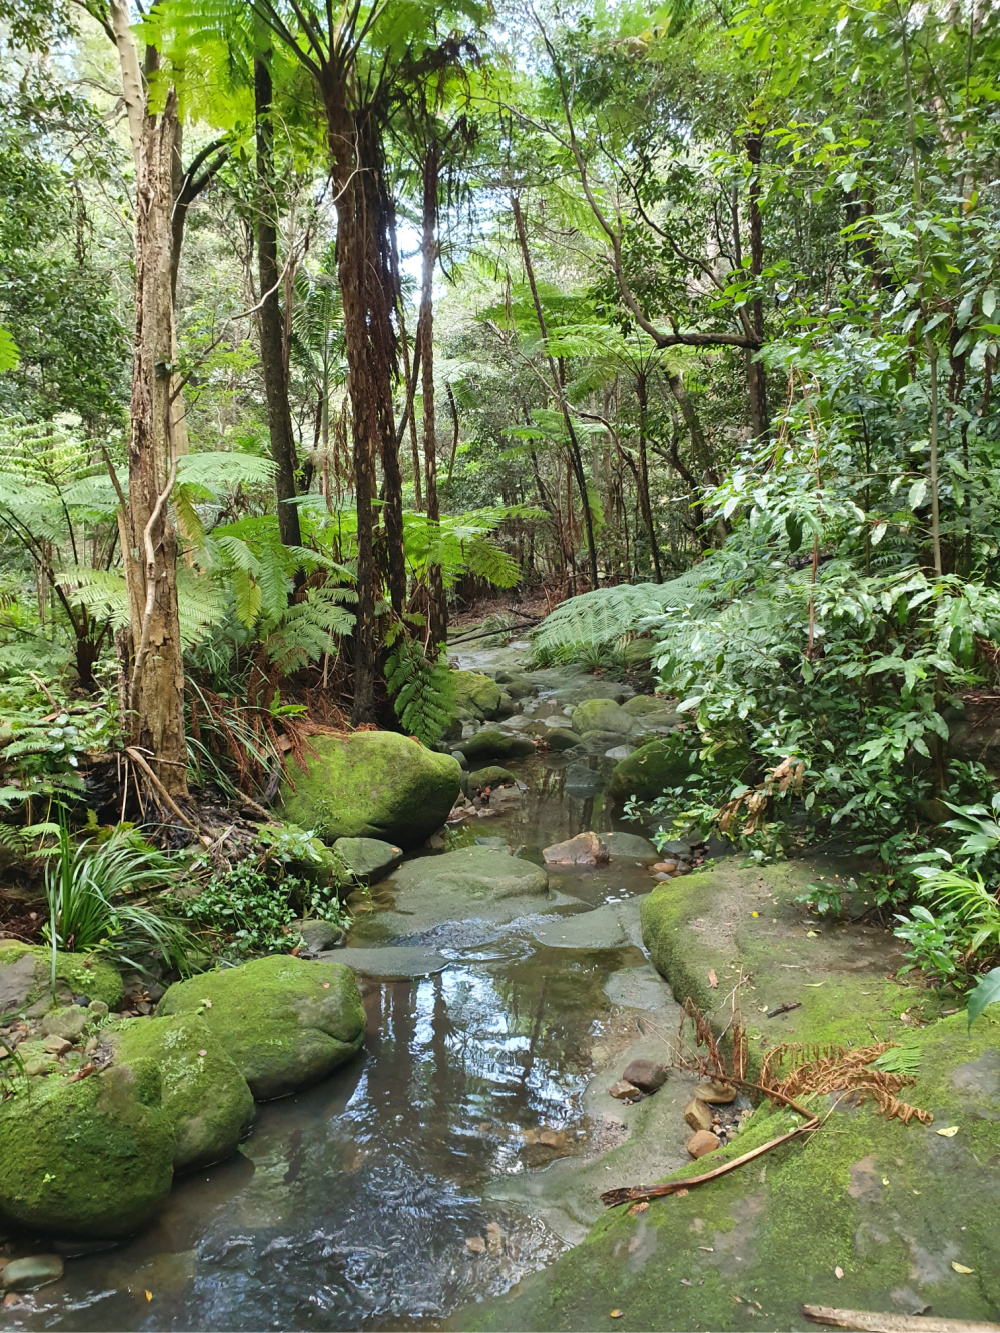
<point x="369" y="859"/>
<point x="372" y="784"/>
<point x="647" y="1075"/>
<point x="31" y="1273"/>
<point x="286" y="1023"/>
<point x="650" y="771"/>
<point x="698" y="1115"/>
<point x="476" y="872"/>
<point x="623" y="1091"/>
<point x="318" y="936"/>
<point x="475" y="693"/>
<point x="631" y="846"/>
<point x="586" y="849"/>
<point x="716" y="1093"/>
<point x="561" y="738"/>
<point x="599" y="742"/>
<point x="68" y="1023"/>
<point x="640" y="704"/>
<point x="703" y="1142"/>
<point x="619" y="752"/>
<point x="492" y="743"/>
<point x="91" y="1159"/>
<point x="204" y="1094"/>
<point x="582" y="781"/>
<point x="601" y="715"/>
<point x="26" y="979"/>
<point x="491" y="776"/>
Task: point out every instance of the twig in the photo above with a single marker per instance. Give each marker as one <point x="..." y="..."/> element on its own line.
<point x="871" y="1322"/>
<point x="633" y="1193"/>
<point x="784" y="1009"/>
<point x="45" y="690"/>
<point x="137" y="758"/>
<point x="147" y="615"/>
<point x="248" y="804"/>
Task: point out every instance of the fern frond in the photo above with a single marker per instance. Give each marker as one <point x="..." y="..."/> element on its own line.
<point x="421" y="689"/>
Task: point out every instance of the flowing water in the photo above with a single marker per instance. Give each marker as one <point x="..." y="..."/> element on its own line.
<point x="350" y="1204"/>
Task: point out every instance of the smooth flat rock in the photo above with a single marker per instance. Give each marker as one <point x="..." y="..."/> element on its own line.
<point x="639" y="988"/>
<point x="600" y="929"/>
<point x="492" y="743"/>
<point x="630" y="845"/>
<point x="397" y="962"/>
<point x="478" y="872"/>
<point x="370" y="859"/>
<point x="35" y="1271"/>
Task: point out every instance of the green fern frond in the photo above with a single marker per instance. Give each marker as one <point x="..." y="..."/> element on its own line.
<point x="421" y="689"/>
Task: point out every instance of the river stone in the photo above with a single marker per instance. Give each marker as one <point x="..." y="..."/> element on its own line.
<point x="599" y="929"/>
<point x="475" y="693"/>
<point x="561" y="738"/>
<point x="373" y="784"/>
<point x="650" y="771"/>
<point x="478" y="872"/>
<point x="601" y="715"/>
<point x="370" y="859"/>
<point x="598" y="742"/>
<point x="91" y="1159"/>
<point x="204" y="1094"/>
<point x="491" y="776"/>
<point x="393" y="962"/>
<point x="644" y="703"/>
<point x="285" y="1022"/>
<point x="35" y="1271"/>
<point x="26" y="978"/>
<point x="582" y="781"/>
<point x="68" y="1023"/>
<point x="619" y="752"/>
<point x="492" y="743"/>
<point x="630" y="845"/>
<point x="639" y="988"/>
<point x="647" y="1075"/>
<point x="318" y="935"/>
<point x="518" y="686"/>
<point x="586" y="849"/>
<point x="703" y="1142"/>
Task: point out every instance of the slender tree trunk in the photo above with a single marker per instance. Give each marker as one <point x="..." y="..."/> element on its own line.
<point x="576" y="456"/>
<point x="644" y="497"/>
<point x="437" y="603"/>
<point x="270" y="320"/>
<point x="757" y="375"/>
<point x="156" y="688"/>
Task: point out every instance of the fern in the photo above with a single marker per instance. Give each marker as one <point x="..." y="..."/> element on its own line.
<point x="421" y="689"/>
<point x="596" y="619"/>
<point x="904" y="1060"/>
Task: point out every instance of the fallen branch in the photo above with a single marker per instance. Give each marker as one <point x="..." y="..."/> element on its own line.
<point x="634" y="1193"/>
<point x="137" y="758"/>
<point x="870" y="1322"/>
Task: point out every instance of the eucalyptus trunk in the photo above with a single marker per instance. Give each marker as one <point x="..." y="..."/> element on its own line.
<point x="437" y="601"/>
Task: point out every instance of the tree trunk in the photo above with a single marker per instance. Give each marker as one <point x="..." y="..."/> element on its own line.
<point x="368" y="339"/>
<point x="437" y="602"/>
<point x="156" y="690"/>
<point x="756" y="374"/>
<point x="644" y="498"/>
<point x="270" y="323"/>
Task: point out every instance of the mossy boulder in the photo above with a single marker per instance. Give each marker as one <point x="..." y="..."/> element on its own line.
<point x="369" y="859"/>
<point x="26" y="979"/>
<point x="204" y="1094"/>
<point x="490" y="776"/>
<point x="373" y="784"/>
<point x="476" y="694"/>
<point x="476" y="872"/>
<point x="601" y="715"/>
<point x="492" y="743"/>
<point x="641" y="704"/>
<point x="561" y="738"/>
<point x="286" y="1023"/>
<point x="648" y="772"/>
<point x="91" y="1159"/>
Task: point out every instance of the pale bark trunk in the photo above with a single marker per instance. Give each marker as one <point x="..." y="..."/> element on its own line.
<point x="437" y="620"/>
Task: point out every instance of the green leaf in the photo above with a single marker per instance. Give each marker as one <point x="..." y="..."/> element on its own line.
<point x="987" y="992"/>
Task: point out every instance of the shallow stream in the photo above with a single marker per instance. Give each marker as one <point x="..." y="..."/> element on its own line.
<point x="466" y="1117"/>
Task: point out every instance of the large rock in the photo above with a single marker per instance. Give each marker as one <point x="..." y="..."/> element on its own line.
<point x="203" y="1093"/>
<point x="91" y="1159"/>
<point x="586" y="849"/>
<point x="285" y="1022"/>
<point x="601" y="715"/>
<point x="491" y="776"/>
<point x="640" y="704"/>
<point x="630" y="845"/>
<point x="561" y="738"/>
<point x="26" y="979"/>
<point x="492" y="743"/>
<point x="478" y="872"/>
<point x="373" y="784"/>
<point x="650" y="771"/>
<point x="476" y="694"/>
<point x="369" y="859"/>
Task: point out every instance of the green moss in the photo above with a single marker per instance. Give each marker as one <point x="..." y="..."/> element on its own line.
<point x="373" y="784"/>
<point x="475" y="693"/>
<point x="285" y="1022"/>
<point x="601" y="715"/>
<point x="91" y="1159"/>
<point x="650" y="771"/>
<point x="26" y="978"/>
<point x="490" y="776"/>
<point x="204" y="1094"/>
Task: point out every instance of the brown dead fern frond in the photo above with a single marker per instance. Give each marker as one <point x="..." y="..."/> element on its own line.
<point x="828" y="1069"/>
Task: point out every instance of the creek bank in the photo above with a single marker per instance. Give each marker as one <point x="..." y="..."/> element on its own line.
<point x="891" y="1207"/>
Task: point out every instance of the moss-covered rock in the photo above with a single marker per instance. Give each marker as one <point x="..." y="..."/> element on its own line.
<point x="601" y="715"/>
<point x="285" y="1022"/>
<point x="640" y="704"/>
<point x="26" y="979"/>
<point x="476" y="693"/>
<point x="561" y="738"/>
<point x="650" y="771"/>
<point x="368" y="859"/>
<point x="373" y="784"/>
<point x="91" y="1159"/>
<point x="490" y="776"/>
<point x="475" y="872"/>
<point x="492" y="743"/>
<point x="867" y="1213"/>
<point x="203" y="1093"/>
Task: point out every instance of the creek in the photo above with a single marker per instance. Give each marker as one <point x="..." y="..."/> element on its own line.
<point x="476" y="1111"/>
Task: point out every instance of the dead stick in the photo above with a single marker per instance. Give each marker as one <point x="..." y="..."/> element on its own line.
<point x="266" y="815"/>
<point x="137" y="758"/>
<point x="892" y="1323"/>
<point x="634" y="1193"/>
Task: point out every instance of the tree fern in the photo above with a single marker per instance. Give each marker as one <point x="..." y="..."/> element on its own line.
<point x="421" y="689"/>
<point x="595" y="619"/>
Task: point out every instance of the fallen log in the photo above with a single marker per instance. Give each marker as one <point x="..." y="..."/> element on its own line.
<point x="872" y="1322"/>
